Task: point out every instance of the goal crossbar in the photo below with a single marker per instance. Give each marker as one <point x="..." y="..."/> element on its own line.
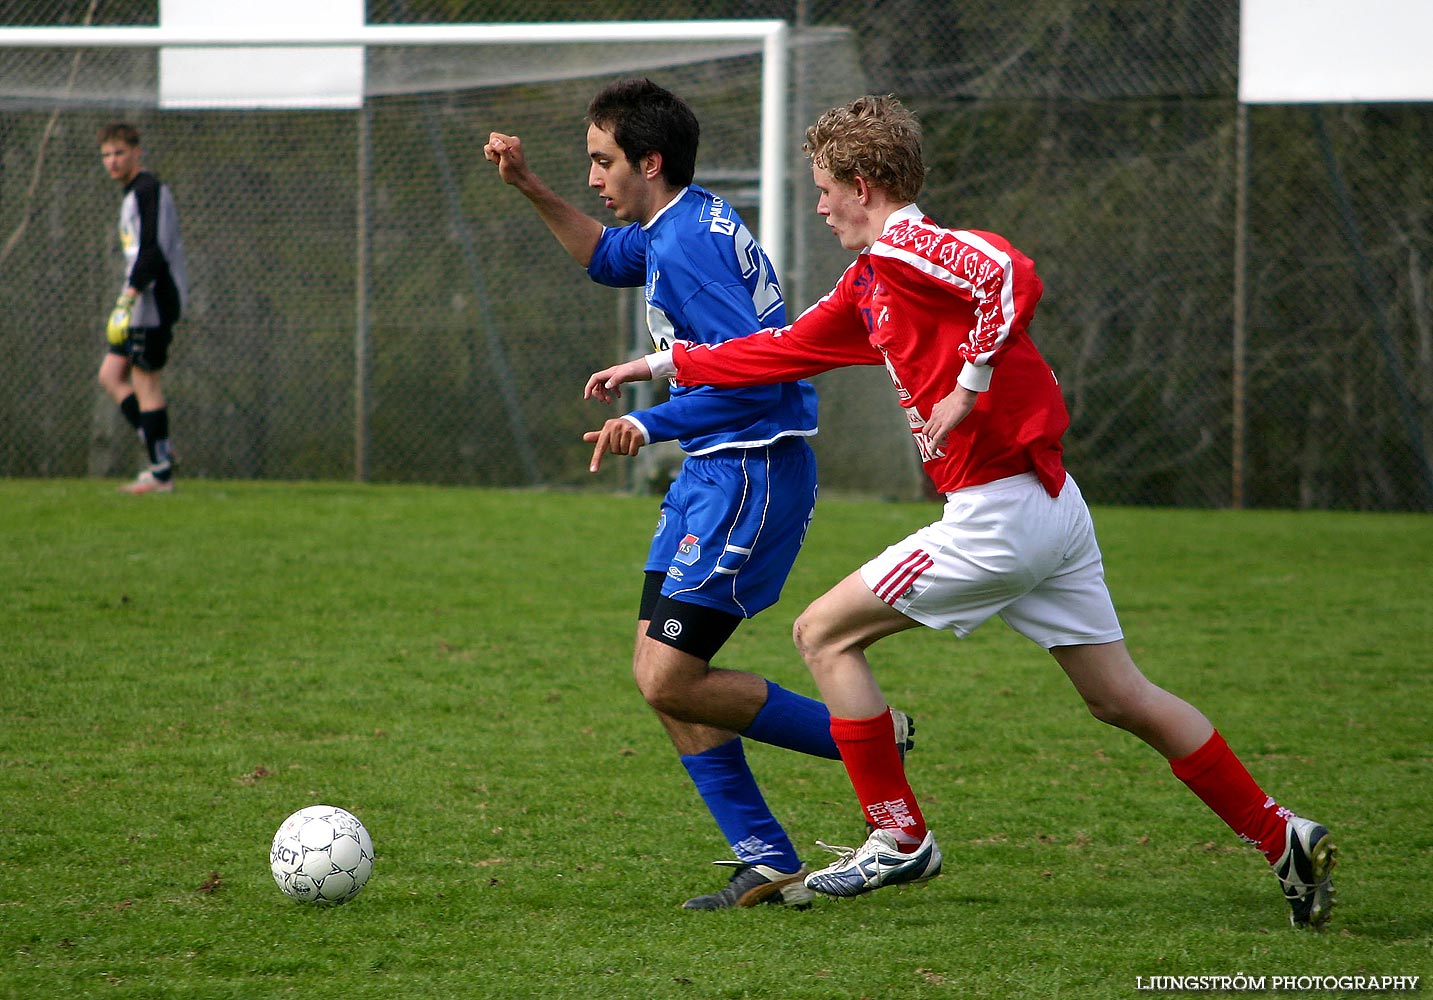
<point x="770" y="35"/>
<point x="153" y="36"/>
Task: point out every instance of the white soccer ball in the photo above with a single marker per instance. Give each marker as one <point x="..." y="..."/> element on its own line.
<point x="321" y="855"/>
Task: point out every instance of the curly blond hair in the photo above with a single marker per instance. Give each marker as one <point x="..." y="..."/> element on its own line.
<point x="874" y="137"/>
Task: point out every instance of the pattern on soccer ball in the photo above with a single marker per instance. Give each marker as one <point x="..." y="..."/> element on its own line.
<point x="321" y="855"/>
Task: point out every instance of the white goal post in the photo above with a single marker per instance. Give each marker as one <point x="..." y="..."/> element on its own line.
<point x="770" y="35"/>
<point x="364" y="301"/>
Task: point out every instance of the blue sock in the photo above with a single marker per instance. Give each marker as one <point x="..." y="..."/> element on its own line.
<point x="793" y="722"/>
<point x="727" y="786"/>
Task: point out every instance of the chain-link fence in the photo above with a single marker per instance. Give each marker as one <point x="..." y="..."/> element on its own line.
<point x="1236" y="298"/>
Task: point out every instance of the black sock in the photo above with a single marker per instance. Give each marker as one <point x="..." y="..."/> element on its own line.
<point x="154" y="425"/>
<point x="129" y="409"/>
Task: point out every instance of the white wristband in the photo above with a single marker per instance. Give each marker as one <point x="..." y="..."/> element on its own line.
<point x="662" y="364"/>
<point x="976" y="378"/>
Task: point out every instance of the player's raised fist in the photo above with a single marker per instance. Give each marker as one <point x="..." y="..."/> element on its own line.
<point x="506" y="152"/>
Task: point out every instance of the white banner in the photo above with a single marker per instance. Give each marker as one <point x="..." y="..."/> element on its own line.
<point x="262" y="77"/>
<point x="1335" y="51"/>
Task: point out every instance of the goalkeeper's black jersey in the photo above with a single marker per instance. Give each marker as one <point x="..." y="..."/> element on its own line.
<point x="153" y="251"/>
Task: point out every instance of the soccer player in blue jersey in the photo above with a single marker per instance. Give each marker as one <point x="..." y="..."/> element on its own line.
<point x="735" y="516"/>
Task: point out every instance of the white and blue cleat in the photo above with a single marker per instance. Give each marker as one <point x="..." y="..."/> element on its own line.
<point x="876" y="863"/>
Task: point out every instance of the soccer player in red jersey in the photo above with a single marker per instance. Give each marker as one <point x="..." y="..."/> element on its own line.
<point x="947" y="312"/>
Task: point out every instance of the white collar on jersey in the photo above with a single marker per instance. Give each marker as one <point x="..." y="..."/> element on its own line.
<point x="663" y="210"/>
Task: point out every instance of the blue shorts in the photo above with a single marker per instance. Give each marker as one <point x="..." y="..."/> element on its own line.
<point x="732" y="523"/>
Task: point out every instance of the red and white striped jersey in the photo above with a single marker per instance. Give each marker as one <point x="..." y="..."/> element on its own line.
<point x="933" y="305"/>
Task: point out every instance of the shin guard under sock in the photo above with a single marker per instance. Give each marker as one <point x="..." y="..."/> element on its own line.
<point x="729" y="789"/>
<point x="1222" y="783"/>
<point x="868" y="749"/>
<point x="793" y="722"/>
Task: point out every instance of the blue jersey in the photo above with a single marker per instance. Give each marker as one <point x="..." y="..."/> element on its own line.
<point x="707" y="280"/>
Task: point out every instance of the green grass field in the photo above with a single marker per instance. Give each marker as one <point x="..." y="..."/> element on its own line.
<point x="180" y="673"/>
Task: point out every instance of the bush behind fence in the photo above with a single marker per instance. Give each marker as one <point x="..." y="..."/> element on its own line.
<point x="1237" y="298"/>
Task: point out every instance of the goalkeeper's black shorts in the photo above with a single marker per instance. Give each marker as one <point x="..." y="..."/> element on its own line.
<point x="146" y="347"/>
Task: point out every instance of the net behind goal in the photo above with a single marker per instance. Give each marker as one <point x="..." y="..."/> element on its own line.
<point x="368" y="300"/>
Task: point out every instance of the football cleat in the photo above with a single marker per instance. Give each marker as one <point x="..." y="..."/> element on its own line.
<point x="1305" y="872"/>
<point x="753" y="884"/>
<point x="905" y="731"/>
<point x="876" y="863"/>
<point x="147" y="482"/>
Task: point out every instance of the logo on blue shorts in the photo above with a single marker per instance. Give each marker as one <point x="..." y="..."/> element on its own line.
<point x="689" y="551"/>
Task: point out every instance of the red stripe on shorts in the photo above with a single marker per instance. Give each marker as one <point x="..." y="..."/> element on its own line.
<point x="905" y="573"/>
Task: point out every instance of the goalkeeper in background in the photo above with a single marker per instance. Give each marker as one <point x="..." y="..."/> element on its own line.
<point x="140" y="326"/>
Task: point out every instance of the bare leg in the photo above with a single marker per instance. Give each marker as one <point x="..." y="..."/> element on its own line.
<point x="701" y="707"/>
<point x="1118" y="694"/>
<point x="832" y="636"/>
<point x="114" y="376"/>
<point x="704" y="711"/>
<point x="149" y="388"/>
<point x="1300" y="850"/>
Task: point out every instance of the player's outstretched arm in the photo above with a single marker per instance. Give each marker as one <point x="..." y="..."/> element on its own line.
<point x="577" y="232"/>
<point x="605" y="385"/>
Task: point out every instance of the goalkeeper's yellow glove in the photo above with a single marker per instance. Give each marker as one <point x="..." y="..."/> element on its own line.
<point x="117" y="330"/>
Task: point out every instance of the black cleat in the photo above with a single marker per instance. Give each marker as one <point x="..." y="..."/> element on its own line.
<point x="1304" y="871"/>
<point x="751" y="885"/>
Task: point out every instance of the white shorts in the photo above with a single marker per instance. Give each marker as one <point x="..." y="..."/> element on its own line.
<point x="1005" y="548"/>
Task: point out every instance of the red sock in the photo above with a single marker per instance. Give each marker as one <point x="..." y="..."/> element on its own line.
<point x="868" y="749"/>
<point x="1223" y="783"/>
